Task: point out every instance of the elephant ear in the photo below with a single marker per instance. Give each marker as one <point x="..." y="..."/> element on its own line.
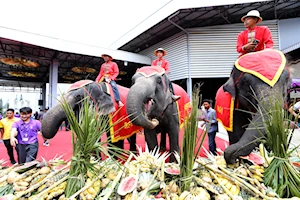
<point x="229" y="86"/>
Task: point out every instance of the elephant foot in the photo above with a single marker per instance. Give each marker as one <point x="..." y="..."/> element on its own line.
<point x="162" y="149"/>
<point x="231" y="154"/>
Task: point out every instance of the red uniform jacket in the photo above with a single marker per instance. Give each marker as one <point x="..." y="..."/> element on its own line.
<point x="164" y="64"/>
<point x="112" y="71"/>
<point x="262" y="33"/>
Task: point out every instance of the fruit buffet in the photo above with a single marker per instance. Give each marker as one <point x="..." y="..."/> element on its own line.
<point x="146" y="175"/>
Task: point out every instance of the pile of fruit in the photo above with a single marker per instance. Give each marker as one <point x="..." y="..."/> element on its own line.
<point x="142" y="176"/>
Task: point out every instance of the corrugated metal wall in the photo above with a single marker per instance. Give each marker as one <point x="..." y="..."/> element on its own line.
<point x="212" y="50"/>
<point x="176" y="47"/>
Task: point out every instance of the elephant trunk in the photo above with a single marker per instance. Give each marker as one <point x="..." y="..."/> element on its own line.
<point x="138" y="103"/>
<point x="54" y="118"/>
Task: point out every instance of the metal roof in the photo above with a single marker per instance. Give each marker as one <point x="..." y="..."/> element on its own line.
<point x="208" y="16"/>
<point x="25" y="76"/>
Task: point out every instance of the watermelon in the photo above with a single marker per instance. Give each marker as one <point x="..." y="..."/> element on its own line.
<point x="172" y="168"/>
<point x="7" y="197"/>
<point x="26" y="166"/>
<point x="254" y="158"/>
<point x="127" y="185"/>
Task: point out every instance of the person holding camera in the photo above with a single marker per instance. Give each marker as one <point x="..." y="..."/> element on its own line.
<point x="254" y="38"/>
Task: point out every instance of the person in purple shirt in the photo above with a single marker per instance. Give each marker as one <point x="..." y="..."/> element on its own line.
<point x="24" y="136"/>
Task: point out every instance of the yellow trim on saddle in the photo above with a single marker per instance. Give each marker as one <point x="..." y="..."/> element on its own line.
<point x="262" y="77"/>
<point x="220" y="109"/>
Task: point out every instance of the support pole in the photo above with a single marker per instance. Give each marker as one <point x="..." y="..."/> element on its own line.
<point x="53" y="79"/>
<point x="189" y="79"/>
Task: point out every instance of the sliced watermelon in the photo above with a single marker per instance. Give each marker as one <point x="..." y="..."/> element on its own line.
<point x="172" y="168"/>
<point x="254" y="158"/>
<point x="8" y="197"/>
<point x="26" y="166"/>
<point x="127" y="185"/>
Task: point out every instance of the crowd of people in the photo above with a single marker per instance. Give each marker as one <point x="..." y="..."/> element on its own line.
<point x="21" y="133"/>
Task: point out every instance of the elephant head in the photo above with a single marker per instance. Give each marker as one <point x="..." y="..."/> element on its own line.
<point x="148" y="97"/>
<point x="56" y="115"/>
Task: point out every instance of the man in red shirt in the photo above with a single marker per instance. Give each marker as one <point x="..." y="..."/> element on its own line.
<point x="254" y="38"/>
<point x="108" y="73"/>
<point x="161" y="62"/>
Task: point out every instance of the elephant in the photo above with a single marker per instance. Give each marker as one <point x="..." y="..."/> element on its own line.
<point x="150" y="105"/>
<point x="248" y="87"/>
<point x="101" y="95"/>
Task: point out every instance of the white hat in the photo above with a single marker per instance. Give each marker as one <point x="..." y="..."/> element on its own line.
<point x="252" y="13"/>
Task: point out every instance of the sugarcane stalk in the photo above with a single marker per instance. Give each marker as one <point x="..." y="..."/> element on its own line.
<point x="37" y="185"/>
<point x="227" y="176"/>
<point x="222" y="185"/>
<point x="6" y="171"/>
<point x="116" y="180"/>
<point x="85" y="187"/>
<point x="242" y="182"/>
<point x="39" y="195"/>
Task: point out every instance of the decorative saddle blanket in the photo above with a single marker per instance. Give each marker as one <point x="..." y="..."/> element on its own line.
<point x="149" y="71"/>
<point x="224" y="108"/>
<point x="122" y="127"/>
<point x="267" y="65"/>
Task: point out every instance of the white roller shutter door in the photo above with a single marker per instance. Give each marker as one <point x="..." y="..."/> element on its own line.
<point x="213" y="49"/>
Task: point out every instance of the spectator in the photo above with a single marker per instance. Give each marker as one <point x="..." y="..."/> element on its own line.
<point x="24" y="136"/>
<point x="254" y="38"/>
<point x="5" y="128"/>
<point x="108" y="73"/>
<point x="211" y="123"/>
<point x="161" y="62"/>
<point x="294" y="110"/>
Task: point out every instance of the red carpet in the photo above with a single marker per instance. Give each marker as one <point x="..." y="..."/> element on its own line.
<point x="61" y="145"/>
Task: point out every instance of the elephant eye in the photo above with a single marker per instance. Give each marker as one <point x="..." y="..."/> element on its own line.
<point x="159" y="80"/>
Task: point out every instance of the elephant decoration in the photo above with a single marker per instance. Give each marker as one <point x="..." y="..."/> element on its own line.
<point x="102" y="95"/>
<point x="254" y="78"/>
<point x="150" y="105"/>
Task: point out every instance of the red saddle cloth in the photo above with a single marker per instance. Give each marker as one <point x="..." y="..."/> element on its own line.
<point x="123" y="127"/>
<point x="224" y="108"/>
<point x="149" y="71"/>
<point x="267" y="65"/>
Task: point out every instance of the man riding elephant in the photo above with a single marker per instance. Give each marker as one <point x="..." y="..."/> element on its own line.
<point x="253" y="79"/>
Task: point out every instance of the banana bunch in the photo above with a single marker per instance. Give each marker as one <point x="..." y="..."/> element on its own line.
<point x="92" y="191"/>
<point x="256" y="172"/>
<point x="233" y="188"/>
<point x="195" y="193"/>
<point x="56" y="191"/>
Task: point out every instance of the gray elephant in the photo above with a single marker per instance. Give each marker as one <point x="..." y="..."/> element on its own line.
<point x="99" y="93"/>
<point x="254" y="77"/>
<point x="150" y="105"/>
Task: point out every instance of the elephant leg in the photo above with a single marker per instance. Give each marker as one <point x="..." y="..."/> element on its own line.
<point x="249" y="140"/>
<point x="163" y="140"/>
<point x="241" y="121"/>
<point x="174" y="143"/>
<point x="132" y="143"/>
<point x="151" y="138"/>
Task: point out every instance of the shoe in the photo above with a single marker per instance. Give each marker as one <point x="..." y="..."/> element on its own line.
<point x="120" y="104"/>
<point x="46" y="143"/>
<point x="13" y="162"/>
<point x="175" y="97"/>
